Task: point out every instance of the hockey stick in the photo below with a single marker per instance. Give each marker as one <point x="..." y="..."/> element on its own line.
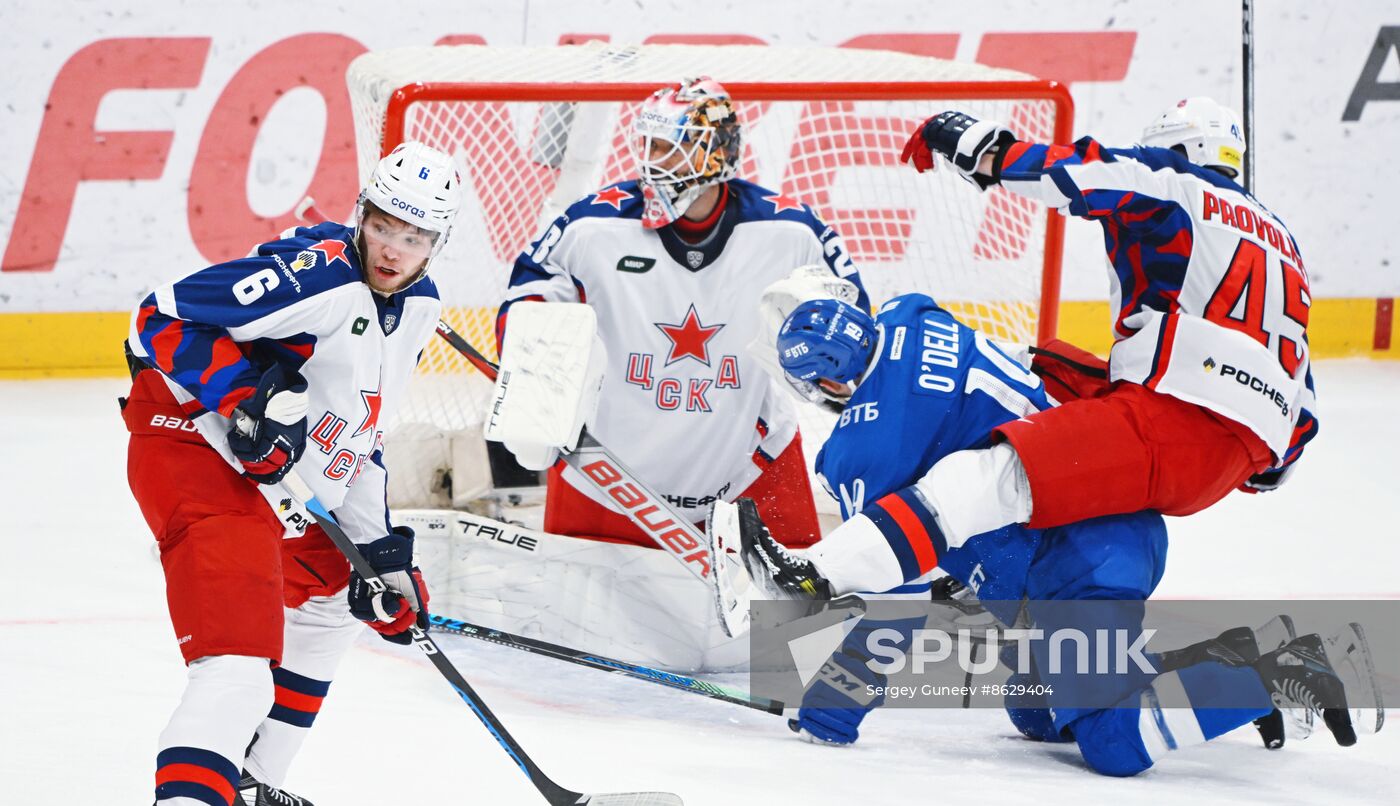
<point x="636" y="671"/>
<point x="1247" y="44"/>
<point x="552" y="792"/>
<point x="651" y="513"/>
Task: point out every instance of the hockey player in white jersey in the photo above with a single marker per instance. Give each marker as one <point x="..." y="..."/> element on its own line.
<point x="673" y="263"/>
<point x="295" y="355"/>
<point x="1208" y="386"/>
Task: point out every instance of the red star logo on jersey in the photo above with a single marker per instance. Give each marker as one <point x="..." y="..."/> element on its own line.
<point x="613" y="195"/>
<point x="331" y="250"/>
<point x="781" y="203"/>
<point x="689" y="339"/>
<point x="372" y="403"/>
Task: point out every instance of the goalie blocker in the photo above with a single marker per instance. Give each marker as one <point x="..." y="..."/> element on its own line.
<point x="547" y="387"/>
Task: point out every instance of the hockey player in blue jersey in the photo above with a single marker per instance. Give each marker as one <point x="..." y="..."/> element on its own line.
<point x="921" y="385"/>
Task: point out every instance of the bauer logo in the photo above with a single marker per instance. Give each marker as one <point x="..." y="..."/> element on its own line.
<point x="636" y="265"/>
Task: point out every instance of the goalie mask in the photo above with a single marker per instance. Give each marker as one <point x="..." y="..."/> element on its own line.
<point x="826" y="340"/>
<point x="417" y="185"/>
<point x="687" y="138"/>
<point x="1205" y="131"/>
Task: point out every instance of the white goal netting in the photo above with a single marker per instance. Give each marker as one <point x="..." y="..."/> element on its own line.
<point x="535" y="128"/>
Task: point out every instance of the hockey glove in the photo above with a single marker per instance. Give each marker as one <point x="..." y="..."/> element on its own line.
<point x="269" y="428"/>
<point x="1267" y="481"/>
<point x="838" y="700"/>
<point x="392" y="612"/>
<point x="961" y="140"/>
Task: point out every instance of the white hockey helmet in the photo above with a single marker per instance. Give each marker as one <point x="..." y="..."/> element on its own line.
<point x="417" y="184"/>
<point x="1207" y="132"/>
<point x="697" y="121"/>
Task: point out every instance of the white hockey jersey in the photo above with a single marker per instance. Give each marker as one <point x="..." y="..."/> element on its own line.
<point x="299" y="302"/>
<point x="1209" y="292"/>
<point x="682" y="404"/>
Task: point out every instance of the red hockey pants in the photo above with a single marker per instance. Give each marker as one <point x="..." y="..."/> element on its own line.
<point x="228" y="572"/>
<point x="1115" y="448"/>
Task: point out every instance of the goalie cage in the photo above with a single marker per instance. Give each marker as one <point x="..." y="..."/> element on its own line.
<point x="535" y="128"/>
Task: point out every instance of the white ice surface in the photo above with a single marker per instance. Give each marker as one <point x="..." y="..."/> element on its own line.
<point x="89" y="670"/>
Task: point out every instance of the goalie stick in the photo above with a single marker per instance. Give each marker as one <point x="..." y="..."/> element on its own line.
<point x="636" y="671"/>
<point x="650" y="512"/>
<point x="552" y="792"/>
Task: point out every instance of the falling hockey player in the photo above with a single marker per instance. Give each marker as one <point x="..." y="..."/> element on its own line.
<point x="1173" y="219"/>
<point x="1210" y="384"/>
<point x="926" y="386"/>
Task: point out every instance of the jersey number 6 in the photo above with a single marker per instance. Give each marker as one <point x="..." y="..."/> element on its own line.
<point x="251" y="288"/>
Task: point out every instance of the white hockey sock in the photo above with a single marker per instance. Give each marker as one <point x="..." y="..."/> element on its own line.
<point x="315" y="638"/>
<point x="857" y="557"/>
<point x="201" y="748"/>
<point x="977" y="491"/>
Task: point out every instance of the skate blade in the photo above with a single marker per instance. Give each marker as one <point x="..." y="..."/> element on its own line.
<point x="1275" y="633"/>
<point x="1350" y="656"/>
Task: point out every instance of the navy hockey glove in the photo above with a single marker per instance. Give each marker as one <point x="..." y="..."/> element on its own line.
<point x="838" y="699"/>
<point x="961" y="140"/>
<point x="269" y="428"/>
<point x="391" y="612"/>
<point x="1267" y="481"/>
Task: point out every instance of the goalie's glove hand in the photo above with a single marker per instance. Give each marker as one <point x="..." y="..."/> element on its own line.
<point x="391" y="612"/>
<point x="961" y="140"/>
<point x="838" y="700"/>
<point x="1267" y="481"/>
<point x="268" y="433"/>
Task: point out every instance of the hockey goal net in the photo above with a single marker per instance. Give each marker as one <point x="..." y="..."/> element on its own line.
<point x="535" y="128"/>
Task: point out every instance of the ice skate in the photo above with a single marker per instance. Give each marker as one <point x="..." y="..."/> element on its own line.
<point x="251" y="792"/>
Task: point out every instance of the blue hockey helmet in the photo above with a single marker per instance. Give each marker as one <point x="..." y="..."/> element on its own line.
<point x="826" y="339"/>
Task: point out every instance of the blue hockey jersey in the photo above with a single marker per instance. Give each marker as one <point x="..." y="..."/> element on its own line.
<point x="935" y="387"/>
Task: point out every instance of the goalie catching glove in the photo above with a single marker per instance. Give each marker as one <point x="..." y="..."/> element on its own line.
<point x="391" y="611"/>
<point x="960" y="139"/>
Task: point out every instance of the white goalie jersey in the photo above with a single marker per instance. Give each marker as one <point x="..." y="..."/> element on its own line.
<point x="682" y="404"/>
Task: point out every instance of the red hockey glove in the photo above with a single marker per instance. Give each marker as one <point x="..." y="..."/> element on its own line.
<point x="961" y="139"/>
